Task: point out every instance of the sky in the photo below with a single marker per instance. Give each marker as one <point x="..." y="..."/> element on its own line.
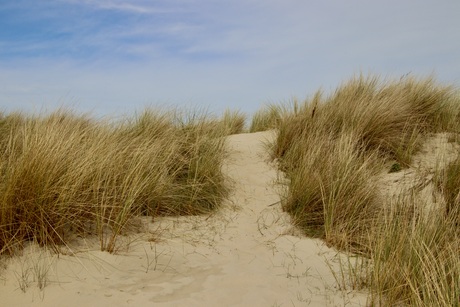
<point x="116" y="57"/>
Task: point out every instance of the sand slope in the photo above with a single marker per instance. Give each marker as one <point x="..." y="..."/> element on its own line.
<point x="242" y="255"/>
<point x="436" y="153"/>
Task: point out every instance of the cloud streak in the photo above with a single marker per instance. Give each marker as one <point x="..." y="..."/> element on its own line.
<point x="116" y="56"/>
<point x="136" y="7"/>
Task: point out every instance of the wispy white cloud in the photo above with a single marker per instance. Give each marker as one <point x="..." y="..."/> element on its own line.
<point x="138" y="7"/>
<point x="118" y="55"/>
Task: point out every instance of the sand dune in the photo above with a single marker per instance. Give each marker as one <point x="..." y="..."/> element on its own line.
<point x="245" y="254"/>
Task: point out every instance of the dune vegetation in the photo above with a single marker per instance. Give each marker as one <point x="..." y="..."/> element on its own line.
<point x="65" y="175"/>
<point x="332" y="149"/>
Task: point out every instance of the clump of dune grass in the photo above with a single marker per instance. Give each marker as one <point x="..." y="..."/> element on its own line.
<point x="234" y="122"/>
<point x="384" y="119"/>
<point x="388" y="116"/>
<point x="272" y="115"/>
<point x="449" y="183"/>
<point x="329" y="192"/>
<point x="415" y="257"/>
<point x="331" y="150"/>
<point x="266" y="118"/>
<point x="64" y="175"/>
<point x="412" y="258"/>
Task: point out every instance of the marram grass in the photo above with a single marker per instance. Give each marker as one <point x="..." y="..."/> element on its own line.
<point x="331" y="149"/>
<point x="65" y="175"/>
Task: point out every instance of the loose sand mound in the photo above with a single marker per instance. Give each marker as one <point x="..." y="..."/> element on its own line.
<point x="246" y="254"/>
<point x="437" y="152"/>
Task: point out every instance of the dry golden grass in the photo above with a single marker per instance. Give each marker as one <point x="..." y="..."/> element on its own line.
<point x="265" y="118"/>
<point x="234" y="122"/>
<point x="388" y="116"/>
<point x="415" y="257"/>
<point x="331" y="149"/>
<point x="449" y="183"/>
<point x="271" y="115"/>
<point x="64" y="175"/>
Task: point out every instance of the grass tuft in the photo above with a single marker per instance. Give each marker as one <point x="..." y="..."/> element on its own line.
<point x="415" y="260"/>
<point x="234" y="122"/>
<point x="449" y="181"/>
<point x="332" y="150"/>
<point x="64" y="175"/>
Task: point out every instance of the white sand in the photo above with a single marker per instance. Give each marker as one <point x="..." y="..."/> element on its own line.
<point x="243" y="255"/>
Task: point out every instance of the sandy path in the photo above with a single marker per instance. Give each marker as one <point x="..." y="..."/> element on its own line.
<point x="243" y="255"/>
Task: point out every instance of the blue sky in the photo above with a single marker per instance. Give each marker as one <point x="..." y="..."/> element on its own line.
<point x="114" y="57"/>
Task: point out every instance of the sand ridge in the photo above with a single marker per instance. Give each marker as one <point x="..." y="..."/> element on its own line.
<point x="245" y="254"/>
